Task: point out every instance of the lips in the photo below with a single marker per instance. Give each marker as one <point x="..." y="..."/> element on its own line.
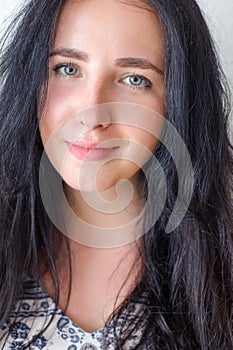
<point x="92" y="151"/>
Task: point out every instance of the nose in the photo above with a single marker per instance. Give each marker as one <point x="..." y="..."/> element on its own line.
<point x="96" y="109"/>
<point x="96" y="116"/>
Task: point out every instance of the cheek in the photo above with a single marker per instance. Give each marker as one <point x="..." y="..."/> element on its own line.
<point x="146" y="132"/>
<point x="58" y="108"/>
<point x="156" y="103"/>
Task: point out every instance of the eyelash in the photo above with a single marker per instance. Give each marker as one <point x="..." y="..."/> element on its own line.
<point x="146" y="82"/>
<point x="57" y="68"/>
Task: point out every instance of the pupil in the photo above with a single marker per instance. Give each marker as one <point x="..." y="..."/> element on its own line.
<point x="136" y="80"/>
<point x="70" y="70"/>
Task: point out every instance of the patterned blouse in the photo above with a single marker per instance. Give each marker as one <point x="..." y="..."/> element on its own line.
<point x="31" y="315"/>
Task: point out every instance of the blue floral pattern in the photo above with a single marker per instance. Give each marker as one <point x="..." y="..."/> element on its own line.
<point x="32" y="314"/>
<point x="19" y="330"/>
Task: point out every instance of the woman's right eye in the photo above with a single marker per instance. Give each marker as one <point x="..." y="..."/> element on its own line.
<point x="66" y="70"/>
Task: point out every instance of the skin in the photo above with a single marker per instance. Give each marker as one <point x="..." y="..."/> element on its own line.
<point x="105" y="33"/>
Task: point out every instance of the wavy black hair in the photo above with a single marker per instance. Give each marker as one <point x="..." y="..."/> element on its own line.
<point x="187" y="274"/>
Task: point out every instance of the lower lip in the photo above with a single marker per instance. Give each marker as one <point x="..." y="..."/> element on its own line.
<point x="91" y="153"/>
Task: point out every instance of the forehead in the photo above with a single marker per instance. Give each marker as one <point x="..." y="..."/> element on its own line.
<point x="113" y="25"/>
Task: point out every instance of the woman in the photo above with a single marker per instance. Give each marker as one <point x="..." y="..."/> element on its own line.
<point x="69" y="73"/>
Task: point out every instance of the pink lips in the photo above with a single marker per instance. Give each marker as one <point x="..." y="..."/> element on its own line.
<point x="91" y="151"/>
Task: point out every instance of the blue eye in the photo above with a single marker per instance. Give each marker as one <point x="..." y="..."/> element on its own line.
<point x="66" y="70"/>
<point x="138" y="82"/>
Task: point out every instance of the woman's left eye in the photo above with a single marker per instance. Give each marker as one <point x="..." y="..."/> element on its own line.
<point x="66" y="70"/>
<point x="138" y="82"/>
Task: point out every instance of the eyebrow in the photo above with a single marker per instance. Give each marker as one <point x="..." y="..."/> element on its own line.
<point x="120" y="62"/>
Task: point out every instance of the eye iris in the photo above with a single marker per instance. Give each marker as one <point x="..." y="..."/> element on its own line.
<point x="70" y="70"/>
<point x="135" y="80"/>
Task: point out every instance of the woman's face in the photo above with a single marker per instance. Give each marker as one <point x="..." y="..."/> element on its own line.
<point x="105" y="51"/>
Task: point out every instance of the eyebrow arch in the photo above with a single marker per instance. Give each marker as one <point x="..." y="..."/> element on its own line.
<point x="137" y="63"/>
<point x="120" y="62"/>
<point x="79" y="55"/>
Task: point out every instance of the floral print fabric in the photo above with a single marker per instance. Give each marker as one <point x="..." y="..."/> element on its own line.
<point x="36" y="309"/>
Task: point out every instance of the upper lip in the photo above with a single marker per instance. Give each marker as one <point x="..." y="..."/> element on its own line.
<point x="103" y="144"/>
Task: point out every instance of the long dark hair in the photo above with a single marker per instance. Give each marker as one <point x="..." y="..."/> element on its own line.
<point x="187" y="274"/>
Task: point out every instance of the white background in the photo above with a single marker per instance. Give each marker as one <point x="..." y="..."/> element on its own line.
<point x="218" y="13"/>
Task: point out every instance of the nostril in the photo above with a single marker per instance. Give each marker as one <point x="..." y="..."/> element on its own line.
<point x="94" y="117"/>
<point x="105" y="125"/>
